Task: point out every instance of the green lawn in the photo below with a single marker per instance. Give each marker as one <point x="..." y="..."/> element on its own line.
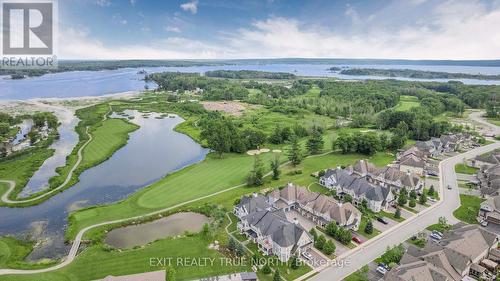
<point x="106" y="139"/>
<point x="362" y="226"/>
<point x="13" y="252"/>
<point x="360" y="275"/>
<point x="21" y="168"/>
<point x="406" y="103"/>
<point x="391" y="216"/>
<point x="212" y="175"/>
<point x="464" y="169"/>
<point x="316" y="187"/>
<point x="96" y="262"/>
<point x="469" y="208"/>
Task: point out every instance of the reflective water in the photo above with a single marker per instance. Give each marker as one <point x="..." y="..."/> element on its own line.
<point x="152" y="151"/>
<point x="95" y="83"/>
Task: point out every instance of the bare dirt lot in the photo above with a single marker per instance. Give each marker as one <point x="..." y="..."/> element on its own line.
<point x="234" y="108"/>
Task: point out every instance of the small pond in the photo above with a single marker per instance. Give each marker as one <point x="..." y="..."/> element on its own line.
<point x="138" y="235"/>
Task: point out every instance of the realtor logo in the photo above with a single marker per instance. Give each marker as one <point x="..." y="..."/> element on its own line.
<point x="28" y="33"/>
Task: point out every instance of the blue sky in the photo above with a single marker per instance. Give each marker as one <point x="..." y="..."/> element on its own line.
<point x="411" y="29"/>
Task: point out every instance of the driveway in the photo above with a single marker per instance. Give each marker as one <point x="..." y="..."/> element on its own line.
<point x="383" y="227"/>
<point x="466" y="177"/>
<point x="317" y="258"/>
<point x="373" y="274"/>
<point x="375" y="247"/>
<point x="404" y="213"/>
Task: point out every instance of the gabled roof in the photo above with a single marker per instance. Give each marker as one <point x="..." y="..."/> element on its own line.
<point x="392" y="174"/>
<point x="489" y="158"/>
<point x="448" y="259"/>
<point x="319" y="203"/>
<point x="359" y="186"/>
<point x="254" y="203"/>
<point x="412" y="161"/>
<point x="363" y="167"/>
<point x="276" y="225"/>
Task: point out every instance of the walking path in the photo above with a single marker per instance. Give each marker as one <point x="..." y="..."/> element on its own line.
<point x="12" y="184"/>
<point x="78" y="239"/>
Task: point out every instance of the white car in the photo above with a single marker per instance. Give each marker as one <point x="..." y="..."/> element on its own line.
<point x="307" y="255"/>
<point x="484" y="223"/>
<point x="431" y="199"/>
<point x="381" y="270"/>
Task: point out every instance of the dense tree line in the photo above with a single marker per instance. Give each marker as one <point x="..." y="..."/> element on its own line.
<point x="419" y="123"/>
<point x="364" y="143"/>
<point x="249" y="74"/>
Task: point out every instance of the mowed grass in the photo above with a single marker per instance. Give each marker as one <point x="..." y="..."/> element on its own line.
<point x="205" y="178"/>
<point x="406" y="103"/>
<point x="22" y="168"/>
<point x="202" y="179"/>
<point x="13" y="251"/>
<point x="106" y="139"/>
<point x="469" y="208"/>
<point x="464" y="169"/>
<point x="96" y="263"/>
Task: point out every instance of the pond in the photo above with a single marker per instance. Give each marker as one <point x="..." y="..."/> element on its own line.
<point x="152" y="151"/>
<point x="63" y="146"/>
<point x="173" y="225"/>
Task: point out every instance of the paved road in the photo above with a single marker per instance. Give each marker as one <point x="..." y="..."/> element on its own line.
<point x="476" y="116"/>
<point x="372" y="249"/>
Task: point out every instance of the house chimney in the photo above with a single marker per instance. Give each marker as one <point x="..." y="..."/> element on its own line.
<point x="295" y="221"/>
<point x="254" y="194"/>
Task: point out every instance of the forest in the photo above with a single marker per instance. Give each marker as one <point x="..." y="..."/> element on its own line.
<point x="417" y="74"/>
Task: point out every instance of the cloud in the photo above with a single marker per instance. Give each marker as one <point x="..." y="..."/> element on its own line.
<point x="133" y="2"/>
<point x="190" y="6"/>
<point x="103" y="3"/>
<point x="171" y="28"/>
<point x="454" y="29"/>
<point x="78" y="44"/>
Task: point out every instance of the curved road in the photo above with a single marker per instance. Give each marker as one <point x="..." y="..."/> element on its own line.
<point x="477" y="117"/>
<point x="449" y="202"/>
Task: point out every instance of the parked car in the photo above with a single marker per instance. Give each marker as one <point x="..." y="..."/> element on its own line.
<point x="436" y="237"/>
<point x="484" y="223"/>
<point x="432" y="173"/>
<point x="307" y="255"/>
<point x="382" y="220"/>
<point x="431" y="199"/>
<point x="381" y="270"/>
<point x="384" y="266"/>
<point x="438" y="233"/>
<point x="357" y="239"/>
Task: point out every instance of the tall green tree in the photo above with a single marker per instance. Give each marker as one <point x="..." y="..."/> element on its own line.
<point x="294" y="153"/>
<point x="256" y="176"/>
<point x="315" y="142"/>
<point x="275" y="166"/>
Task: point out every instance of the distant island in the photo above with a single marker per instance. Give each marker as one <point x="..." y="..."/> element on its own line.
<point x="417" y="74"/>
<point x="95" y="65"/>
<point x="249" y="74"/>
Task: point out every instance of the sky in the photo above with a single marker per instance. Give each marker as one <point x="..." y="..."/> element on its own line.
<point x="225" y="29"/>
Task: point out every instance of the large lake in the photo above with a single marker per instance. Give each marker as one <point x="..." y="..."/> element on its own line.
<point x="95" y="83"/>
<point x="152" y="151"/>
